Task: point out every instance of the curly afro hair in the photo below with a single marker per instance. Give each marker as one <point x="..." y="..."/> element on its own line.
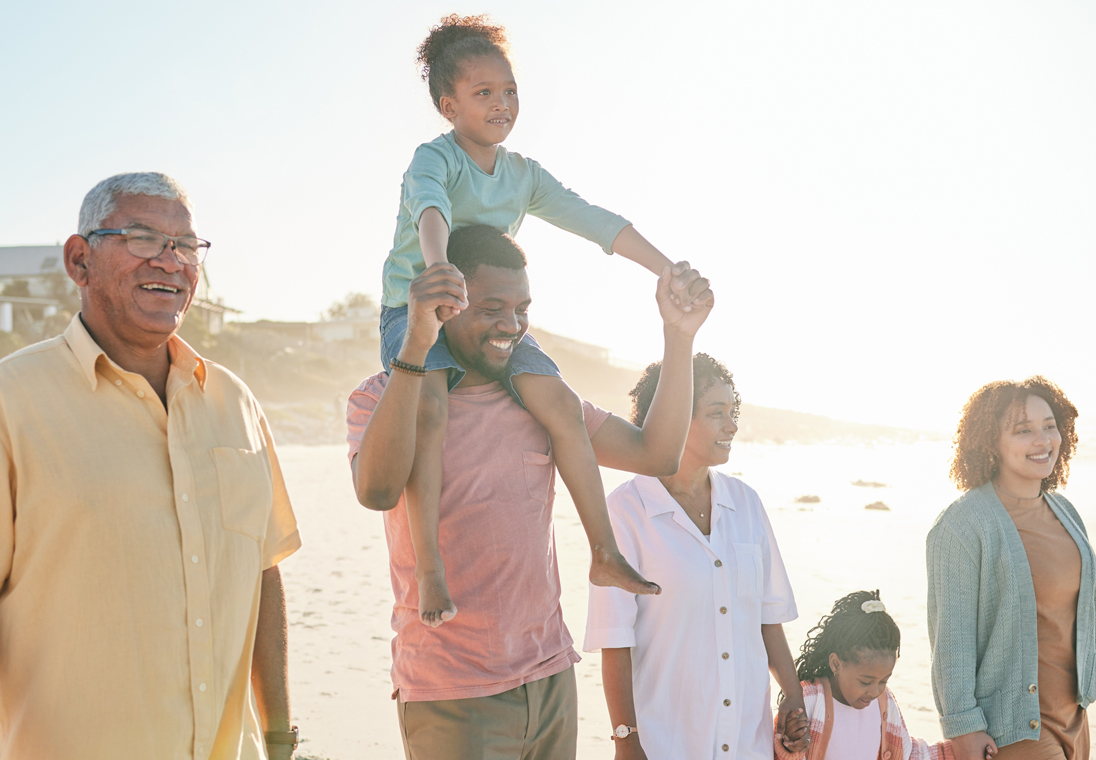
<point x="848" y="631"/>
<point x="976" y="459"/>
<point x="449" y="44"/>
<point x="706" y="372"/>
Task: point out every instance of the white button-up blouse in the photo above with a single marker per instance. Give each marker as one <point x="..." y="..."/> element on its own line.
<point x="700" y="671"/>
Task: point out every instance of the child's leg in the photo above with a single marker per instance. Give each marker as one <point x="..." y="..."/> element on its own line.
<point x="556" y="406"/>
<point x="423" y="492"/>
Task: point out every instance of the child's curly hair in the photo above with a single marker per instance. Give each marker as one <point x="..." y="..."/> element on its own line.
<point x="451" y="43"/>
<point x="847" y="631"/>
<point x="976" y="459"/>
<point x="706" y="371"/>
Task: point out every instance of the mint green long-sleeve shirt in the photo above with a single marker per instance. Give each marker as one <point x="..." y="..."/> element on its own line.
<point x="983" y="628"/>
<point x="443" y="176"/>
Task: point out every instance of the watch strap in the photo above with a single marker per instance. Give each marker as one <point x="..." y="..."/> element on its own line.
<point x="292" y="736"/>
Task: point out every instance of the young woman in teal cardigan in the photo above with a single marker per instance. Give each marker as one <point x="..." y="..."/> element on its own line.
<point x="1012" y="582"/>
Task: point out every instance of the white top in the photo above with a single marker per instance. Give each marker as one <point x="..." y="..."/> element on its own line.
<point x="856" y="734"/>
<point x="699" y="642"/>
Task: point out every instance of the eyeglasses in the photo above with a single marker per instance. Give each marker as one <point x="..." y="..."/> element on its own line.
<point x="148" y="244"/>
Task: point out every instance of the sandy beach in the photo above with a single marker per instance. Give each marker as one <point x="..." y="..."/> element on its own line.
<point x="340" y="599"/>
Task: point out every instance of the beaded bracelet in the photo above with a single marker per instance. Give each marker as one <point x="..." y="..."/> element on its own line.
<point x="411" y="369"/>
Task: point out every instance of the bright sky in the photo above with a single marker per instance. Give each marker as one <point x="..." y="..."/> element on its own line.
<point x="895" y="202"/>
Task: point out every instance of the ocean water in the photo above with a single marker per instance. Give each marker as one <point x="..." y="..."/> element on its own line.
<point x="339" y="596"/>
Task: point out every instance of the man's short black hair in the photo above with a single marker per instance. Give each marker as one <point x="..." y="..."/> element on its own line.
<point x="469" y="247"/>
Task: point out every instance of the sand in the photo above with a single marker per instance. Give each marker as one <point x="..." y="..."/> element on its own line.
<point x="339" y="595"/>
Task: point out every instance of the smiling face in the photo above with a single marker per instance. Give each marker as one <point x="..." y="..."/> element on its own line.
<point x="1028" y="447"/>
<point x="484" y="104"/>
<point x="858" y="683"/>
<point x="712" y="427"/>
<point x="482" y="337"/>
<point x="128" y="301"/>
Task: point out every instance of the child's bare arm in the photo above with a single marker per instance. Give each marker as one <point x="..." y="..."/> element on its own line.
<point x="433" y="237"/>
<point x="631" y="245"/>
<point x="383" y="462"/>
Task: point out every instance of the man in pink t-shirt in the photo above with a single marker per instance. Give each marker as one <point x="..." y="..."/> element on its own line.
<point x="497" y="681"/>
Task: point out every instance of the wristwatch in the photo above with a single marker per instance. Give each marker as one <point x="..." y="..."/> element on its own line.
<point x="283" y="737"/>
<point x="622" y="732"/>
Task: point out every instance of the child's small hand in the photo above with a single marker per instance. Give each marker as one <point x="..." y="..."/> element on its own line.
<point x="795" y="728"/>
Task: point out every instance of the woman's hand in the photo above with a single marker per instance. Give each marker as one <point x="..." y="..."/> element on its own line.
<point x="976" y="746"/>
<point x="792" y="724"/>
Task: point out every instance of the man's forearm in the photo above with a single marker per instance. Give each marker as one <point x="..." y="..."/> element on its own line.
<point x="383" y="462"/>
<point x="269" y="669"/>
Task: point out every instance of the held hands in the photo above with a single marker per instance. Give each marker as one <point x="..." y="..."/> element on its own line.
<point x="975" y="746"/>
<point x="435" y="296"/>
<point x="684" y="298"/>
<point x="792" y="725"/>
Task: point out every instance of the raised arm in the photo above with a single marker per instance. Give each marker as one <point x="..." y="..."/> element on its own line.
<point x="387" y="451"/>
<point x="655" y="449"/>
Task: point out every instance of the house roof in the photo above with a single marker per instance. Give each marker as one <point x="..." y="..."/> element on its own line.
<point x="31" y="260"/>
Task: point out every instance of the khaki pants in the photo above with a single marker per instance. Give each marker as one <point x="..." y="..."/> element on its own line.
<point x="536" y="721"/>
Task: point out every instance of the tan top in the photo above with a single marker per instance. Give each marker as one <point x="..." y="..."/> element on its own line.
<point x="132" y="545"/>
<point x="1056" y="574"/>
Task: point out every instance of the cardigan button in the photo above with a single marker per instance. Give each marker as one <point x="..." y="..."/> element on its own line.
<point x="1032" y="689"/>
<point x="1034" y="724"/>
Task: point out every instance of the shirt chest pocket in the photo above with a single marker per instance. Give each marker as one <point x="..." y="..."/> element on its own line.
<point x="751" y="577"/>
<point x="244" y="490"/>
<point x="538" y="474"/>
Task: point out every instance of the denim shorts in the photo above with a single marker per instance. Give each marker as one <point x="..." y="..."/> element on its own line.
<point x="527" y="356"/>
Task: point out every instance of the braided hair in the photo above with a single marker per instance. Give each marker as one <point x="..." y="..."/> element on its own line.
<point x="847" y="631"/>
<point x="452" y="42"/>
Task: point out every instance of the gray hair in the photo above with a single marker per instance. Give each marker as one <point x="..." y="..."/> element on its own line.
<point x="100" y="201"/>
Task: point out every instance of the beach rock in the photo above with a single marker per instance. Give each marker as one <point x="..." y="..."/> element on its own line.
<point x="869" y="484"/>
<point x="878" y="505"/>
<point x="808" y="499"/>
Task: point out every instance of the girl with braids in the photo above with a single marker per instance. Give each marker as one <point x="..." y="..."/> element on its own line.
<point x="462" y="178"/>
<point x="1012" y="582"/>
<point x="844" y="667"/>
<point x="686" y="675"/>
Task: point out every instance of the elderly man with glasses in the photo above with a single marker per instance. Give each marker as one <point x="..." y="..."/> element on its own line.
<point x="142" y="515"/>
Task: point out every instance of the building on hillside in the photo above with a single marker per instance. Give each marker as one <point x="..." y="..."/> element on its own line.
<point x="359" y="323"/>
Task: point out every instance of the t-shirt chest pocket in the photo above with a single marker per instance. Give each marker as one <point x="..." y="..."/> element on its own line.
<point x="751" y="577"/>
<point x="244" y="490"/>
<point x="539" y="469"/>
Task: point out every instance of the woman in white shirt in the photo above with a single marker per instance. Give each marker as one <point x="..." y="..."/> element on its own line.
<point x="686" y="673"/>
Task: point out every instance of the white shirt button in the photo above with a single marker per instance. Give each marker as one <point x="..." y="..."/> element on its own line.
<point x="724" y="655"/>
<point x="140" y="394"/>
<point x="201" y="687"/>
<point x="185" y="497"/>
<point x="719" y="563"/>
<point x="198" y="622"/>
<point x="194" y="558"/>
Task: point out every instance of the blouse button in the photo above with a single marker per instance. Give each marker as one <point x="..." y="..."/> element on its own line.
<point x="1034" y="724"/>
<point x="1032" y="689"/>
<point x="726" y="703"/>
<point x="726" y="748"/>
<point x="719" y="563"/>
<point x="725" y="655"/>
<point x="722" y="610"/>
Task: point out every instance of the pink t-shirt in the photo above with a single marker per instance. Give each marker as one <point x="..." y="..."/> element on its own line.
<point x="856" y="734"/>
<point x="499" y="551"/>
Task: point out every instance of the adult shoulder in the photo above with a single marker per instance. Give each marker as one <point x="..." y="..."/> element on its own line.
<point x="972" y="520"/>
<point x="16" y="366"/>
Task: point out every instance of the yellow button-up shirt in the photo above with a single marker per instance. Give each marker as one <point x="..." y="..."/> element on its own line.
<point x="132" y="544"/>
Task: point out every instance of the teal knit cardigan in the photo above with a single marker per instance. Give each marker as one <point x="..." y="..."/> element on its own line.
<point x="982" y="620"/>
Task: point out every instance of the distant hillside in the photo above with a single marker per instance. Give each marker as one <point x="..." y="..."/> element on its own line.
<point x="303" y="386"/>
